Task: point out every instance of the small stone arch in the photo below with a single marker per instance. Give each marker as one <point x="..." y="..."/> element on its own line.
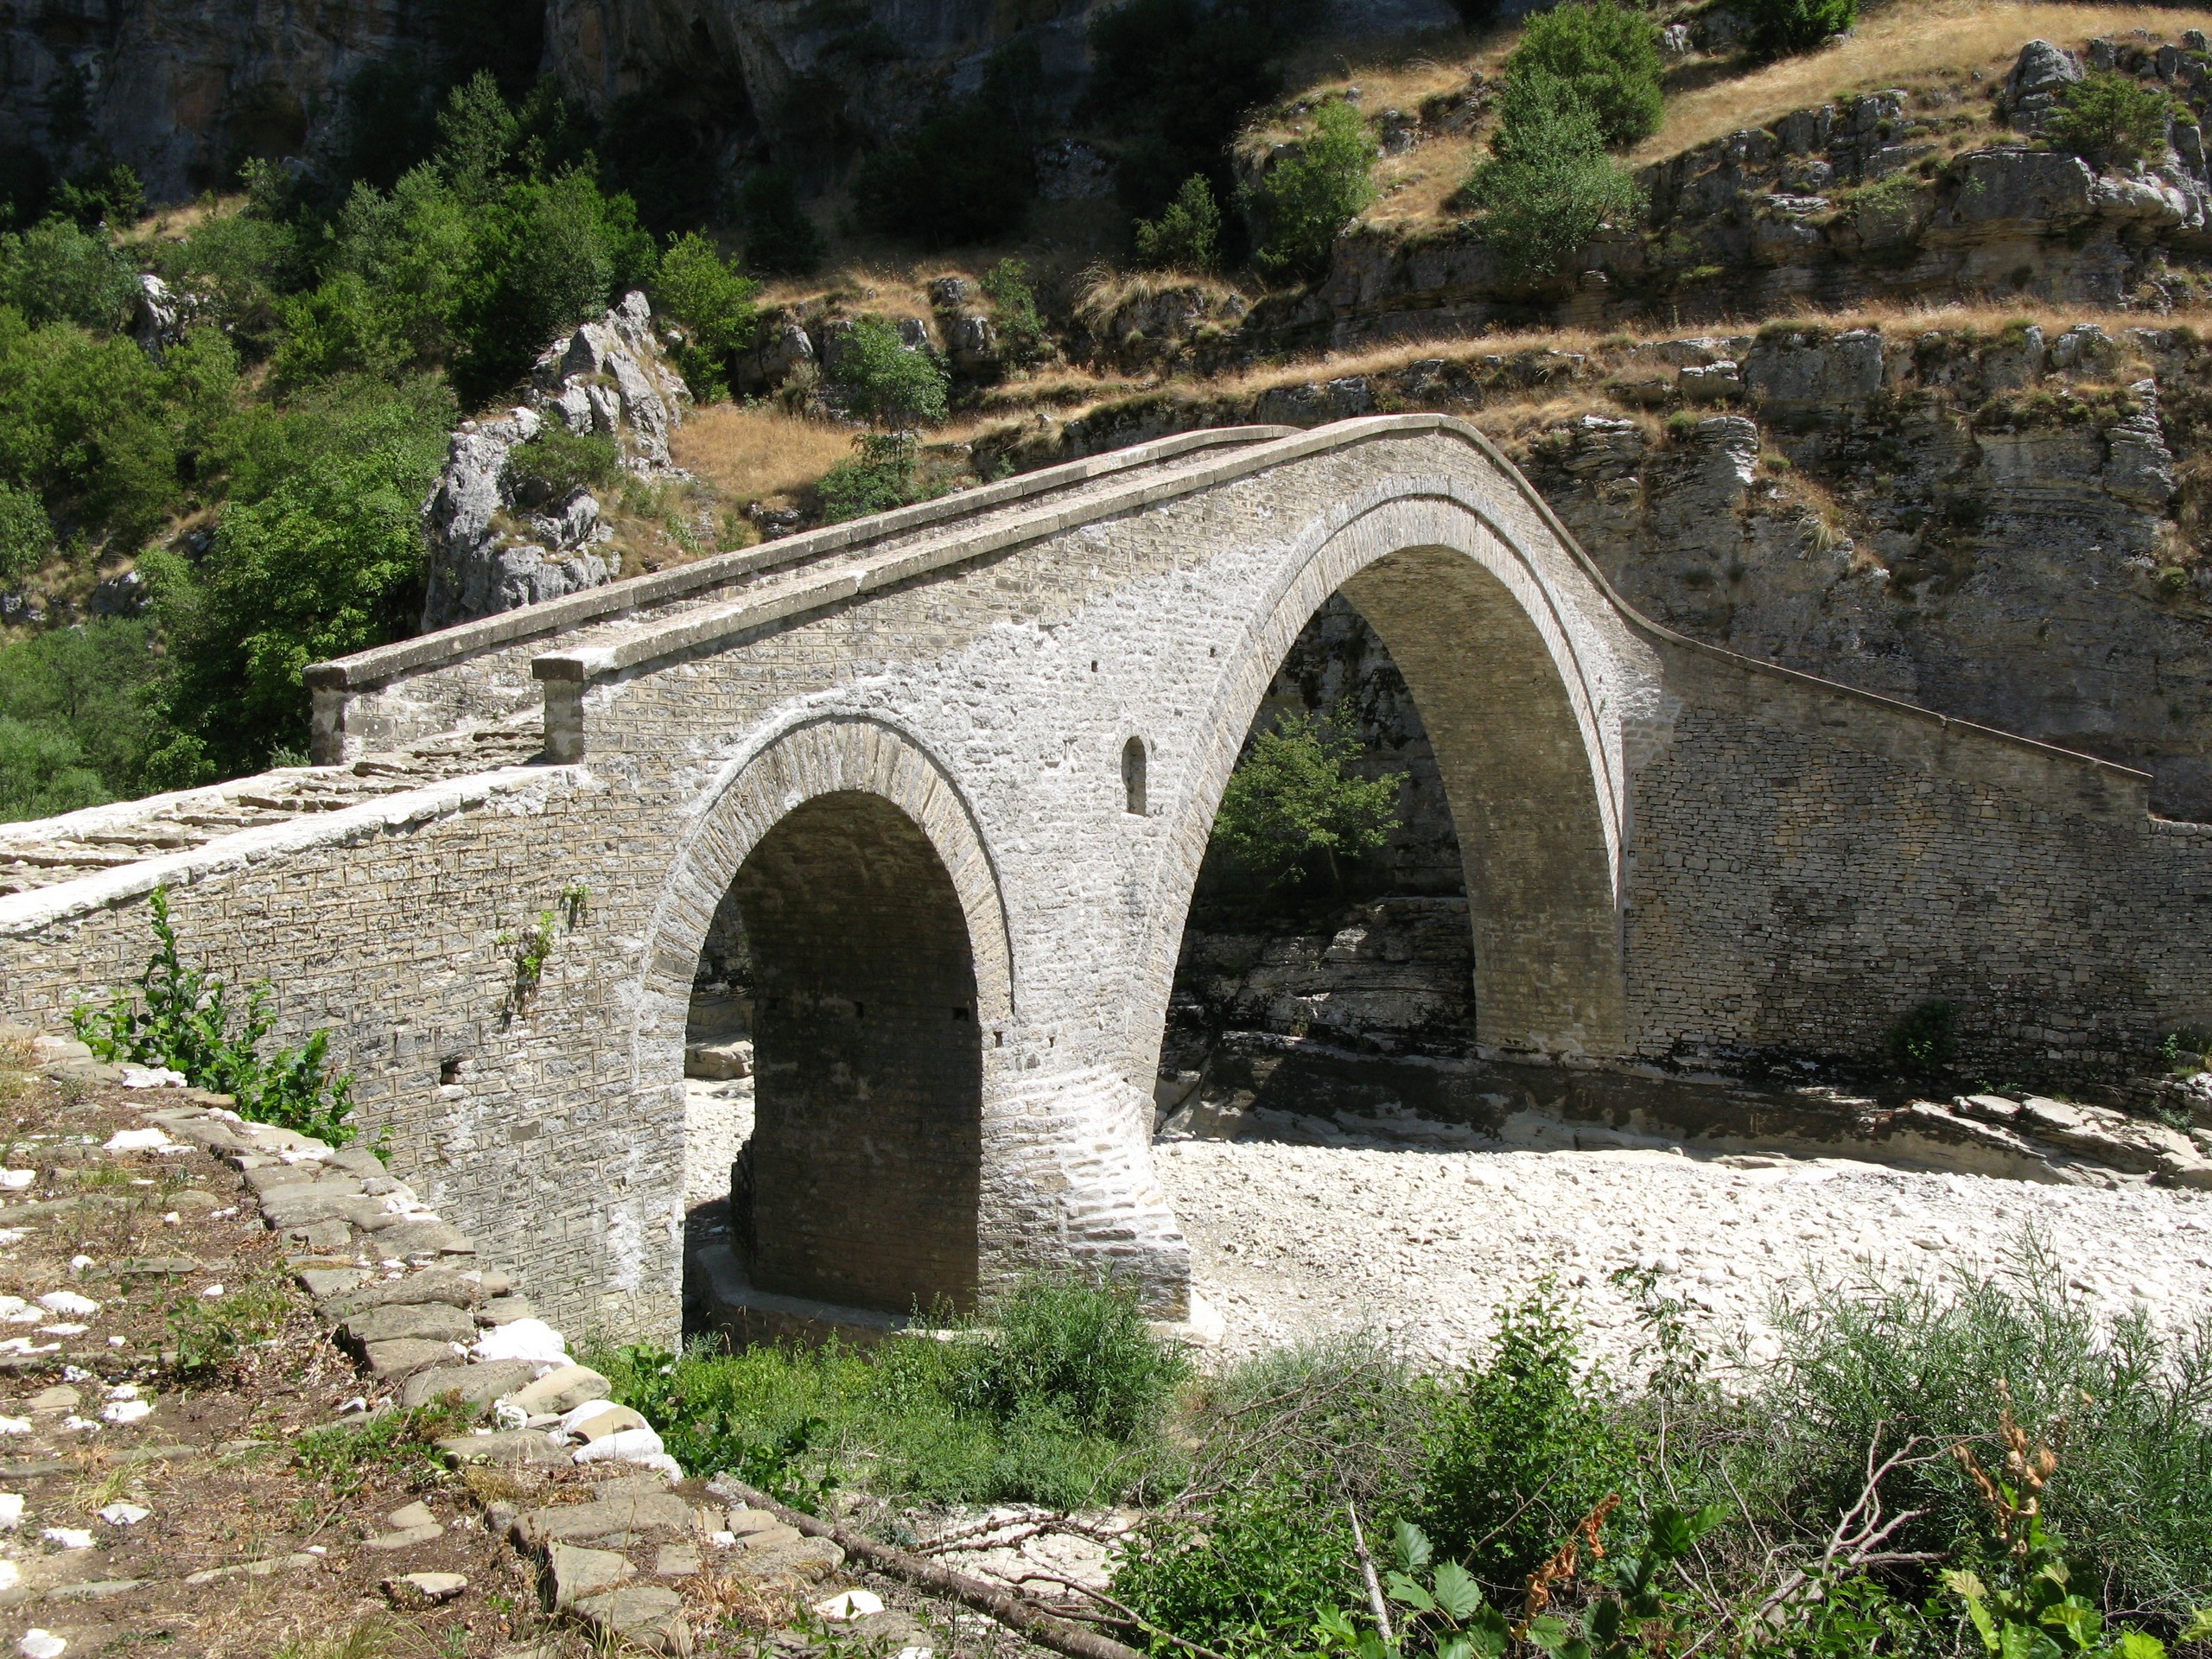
<point x="1514" y="672"/>
<point x="885" y="987"/>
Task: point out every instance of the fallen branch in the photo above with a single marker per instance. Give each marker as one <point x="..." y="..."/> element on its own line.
<point x="1015" y="1612"/>
<point x="1381" y="1607"/>
<point x="1129" y="1615"/>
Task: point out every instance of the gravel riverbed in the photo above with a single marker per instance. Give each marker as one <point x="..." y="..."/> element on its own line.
<point x="1294" y="1241"/>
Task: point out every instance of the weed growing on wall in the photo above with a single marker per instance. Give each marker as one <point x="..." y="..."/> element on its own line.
<point x="181" y="1018"/>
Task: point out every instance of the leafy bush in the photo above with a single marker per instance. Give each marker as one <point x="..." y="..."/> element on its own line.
<point x="89" y="428"/>
<point x="556" y="463"/>
<point x="701" y="289"/>
<point x="186" y="1024"/>
<point x="1187" y="234"/>
<point x="42" y="772"/>
<point x="2111" y="120"/>
<point x="1923" y="1043"/>
<point x="778" y="235"/>
<point x="1607" y="55"/>
<point x="1022" y="331"/>
<point x="965" y="176"/>
<point x="878" y="477"/>
<point x="1779" y="27"/>
<point x="1304" y="199"/>
<point x="882" y="378"/>
<point x="86" y="685"/>
<point x="1252" y="1576"/>
<point x="1548" y="185"/>
<point x="26" y="534"/>
<point x="55" y="272"/>
<point x="109" y="195"/>
<point x="1295" y="799"/>
<point x="1082" y="1349"/>
<point x="1523" y="1449"/>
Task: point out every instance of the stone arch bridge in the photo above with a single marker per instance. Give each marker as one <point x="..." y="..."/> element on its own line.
<point x="957" y="764"/>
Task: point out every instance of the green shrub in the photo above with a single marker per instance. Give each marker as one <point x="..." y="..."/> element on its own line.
<point x="778" y="235"/>
<point x="1022" y="331"/>
<point x="701" y="289"/>
<point x="1305" y="199"/>
<point x="55" y="272"/>
<point x="343" y="325"/>
<point x="42" y="772"/>
<point x="878" y="477"/>
<point x="1607" y="55"/>
<point x="1923" y="1043"/>
<point x="1779" y="27"/>
<point x="2111" y="120"/>
<point x="1946" y="1359"/>
<point x="26" y="534"/>
<point x="345" y="1456"/>
<point x="181" y="1018"/>
<point x="89" y="428"/>
<point x="88" y="684"/>
<point x="964" y="176"/>
<point x="885" y="380"/>
<point x="556" y="463"/>
<point x="1548" y="186"/>
<point x="1187" y="234"/>
<point x="1294" y="800"/>
<point x="238" y="266"/>
<point x="109" y="195"/>
<point x="1082" y="1350"/>
<point x="1523" y="1449"/>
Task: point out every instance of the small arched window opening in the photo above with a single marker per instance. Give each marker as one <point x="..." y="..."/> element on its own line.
<point x="1132" y="775"/>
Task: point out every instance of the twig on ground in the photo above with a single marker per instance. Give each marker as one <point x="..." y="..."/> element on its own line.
<point x="1381" y="1607"/>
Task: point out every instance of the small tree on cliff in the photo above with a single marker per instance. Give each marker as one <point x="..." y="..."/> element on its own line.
<point x="1294" y="803"/>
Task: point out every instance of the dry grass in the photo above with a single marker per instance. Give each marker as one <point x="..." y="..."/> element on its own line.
<point x="753" y="454"/>
<point x="1904" y="42"/>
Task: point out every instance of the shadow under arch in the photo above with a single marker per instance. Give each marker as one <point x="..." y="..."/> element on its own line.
<point x="881" y="977"/>
<point x="1507" y="673"/>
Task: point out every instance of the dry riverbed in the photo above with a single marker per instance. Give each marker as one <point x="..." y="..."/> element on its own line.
<point x="1291" y="1240"/>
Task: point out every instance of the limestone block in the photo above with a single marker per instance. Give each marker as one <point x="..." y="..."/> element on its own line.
<point x="477" y="1385"/>
<point x="560" y="1391"/>
<point x="423" y="1321"/>
<point x="603" y="1518"/>
<point x="389" y="1362"/>
<point x="578" y="1571"/>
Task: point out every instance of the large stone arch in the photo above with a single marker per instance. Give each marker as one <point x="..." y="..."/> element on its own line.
<point x="1508" y="652"/>
<point x="886" y="983"/>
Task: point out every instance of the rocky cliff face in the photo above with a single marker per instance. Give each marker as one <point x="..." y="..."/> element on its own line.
<point x="501" y="535"/>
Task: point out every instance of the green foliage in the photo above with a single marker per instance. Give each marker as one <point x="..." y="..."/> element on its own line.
<point x="1294" y="799"/>
<point x="2187" y="1049"/>
<point x="976" y="1414"/>
<point x="962" y="176"/>
<point x="182" y="1019"/>
<point x="883" y="378"/>
<point x="1256" y="1576"/>
<point x="778" y="235"/>
<point x="2110" y="119"/>
<point x="402" y="1442"/>
<point x="209" y="1334"/>
<point x="238" y="267"/>
<point x="701" y="289"/>
<point x="1606" y="55"/>
<point x="109" y="195"/>
<point x="1441" y="1611"/>
<point x="1547" y="186"/>
<point x="85" y="686"/>
<point x="556" y="463"/>
<point x="89" y="428"/>
<point x="1780" y="27"/>
<point x="1950" y="1361"/>
<point x="1175" y="78"/>
<point x="55" y="272"/>
<point x="42" y="772"/>
<point x="1522" y="1448"/>
<point x="319" y="554"/>
<point x="1022" y="331"/>
<point x="1079" y="1348"/>
<point x="1924" y="1042"/>
<point x="26" y="534"/>
<point x="1304" y="199"/>
<point x="1187" y="234"/>
<point x="878" y="477"/>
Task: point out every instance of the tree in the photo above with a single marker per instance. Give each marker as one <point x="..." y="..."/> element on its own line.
<point x="26" y="534"/>
<point x="42" y="772"/>
<point x="2110" y="120"/>
<point x="1607" y="54"/>
<point x="55" y="272"/>
<point x="779" y="236"/>
<point x="1187" y="234"/>
<point x="1780" y="27"/>
<point x="701" y="289"/>
<point x="893" y="384"/>
<point x="1294" y="800"/>
<point x="1304" y="199"/>
<point x="1548" y="184"/>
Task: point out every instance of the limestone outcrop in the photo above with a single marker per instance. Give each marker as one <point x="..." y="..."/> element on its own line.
<point x="499" y="536"/>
